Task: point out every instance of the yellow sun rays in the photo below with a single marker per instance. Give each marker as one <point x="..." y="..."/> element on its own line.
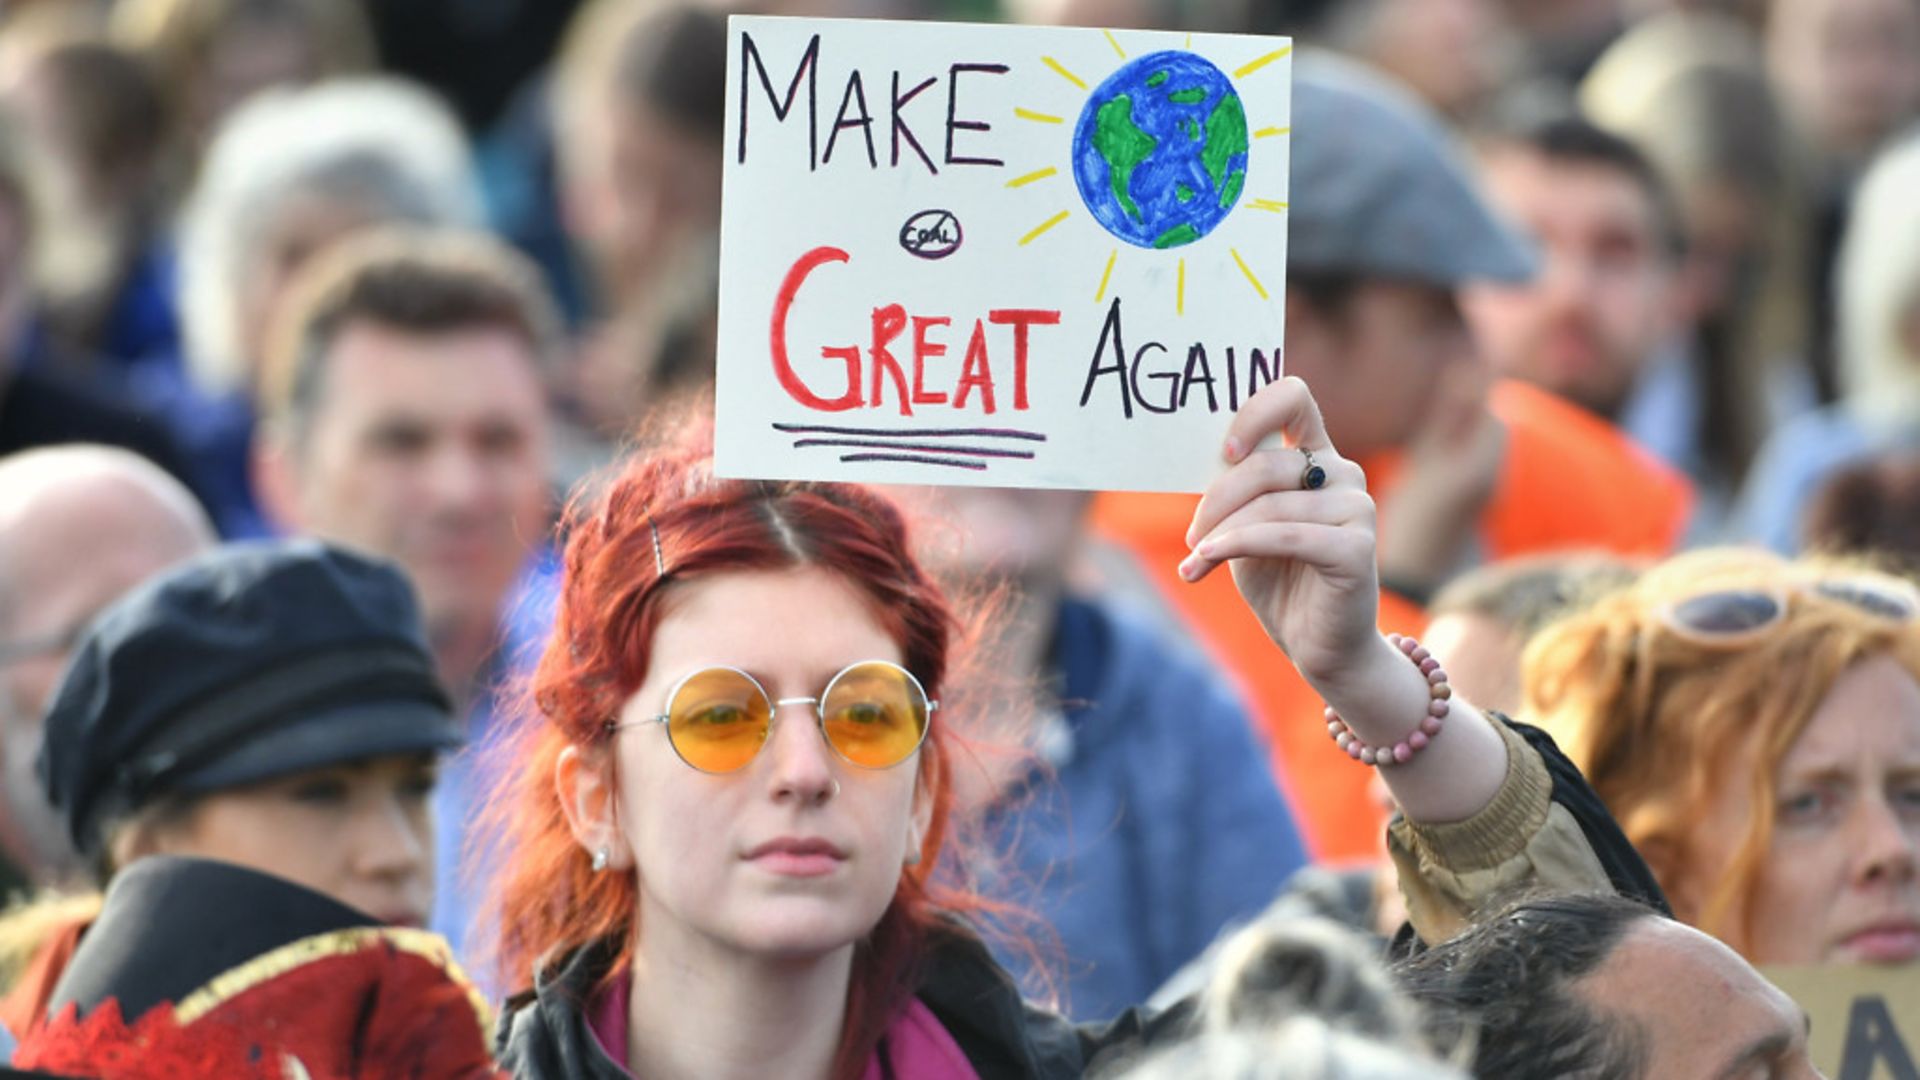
<point x="1038" y="174"/>
<point x="1043" y="227"/>
<point x="1106" y="275"/>
<point x="1271" y="206"/>
<point x="1252" y="66"/>
<point x="1242" y="263"/>
<point x="1064" y="73"/>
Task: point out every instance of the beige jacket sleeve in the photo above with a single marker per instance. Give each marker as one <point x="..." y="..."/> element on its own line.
<point x="1522" y="841"/>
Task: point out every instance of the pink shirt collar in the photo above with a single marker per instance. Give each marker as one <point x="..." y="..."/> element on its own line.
<point x="916" y="1045"/>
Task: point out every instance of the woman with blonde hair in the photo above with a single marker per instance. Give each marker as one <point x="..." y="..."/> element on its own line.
<point x="1754" y="725"/>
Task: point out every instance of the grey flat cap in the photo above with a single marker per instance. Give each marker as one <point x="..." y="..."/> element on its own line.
<point x="1379" y="187"/>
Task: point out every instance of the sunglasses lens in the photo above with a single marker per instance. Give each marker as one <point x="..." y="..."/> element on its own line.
<point x="1870" y="597"/>
<point x="1726" y="613"/>
<point x="718" y="718"/>
<point x="875" y="714"/>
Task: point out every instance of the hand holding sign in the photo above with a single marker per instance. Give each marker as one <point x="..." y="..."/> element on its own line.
<point x="1303" y="559"/>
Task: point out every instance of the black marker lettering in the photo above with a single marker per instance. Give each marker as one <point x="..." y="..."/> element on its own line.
<point x="810" y="68"/>
<point x="855" y="92"/>
<point x="1110" y="331"/>
<point x="900" y="128"/>
<point x="953" y="104"/>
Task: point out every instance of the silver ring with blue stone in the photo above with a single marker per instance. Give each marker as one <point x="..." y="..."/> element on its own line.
<point x="1312" y="477"/>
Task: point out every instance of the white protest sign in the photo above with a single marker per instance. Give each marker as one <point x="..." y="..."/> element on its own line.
<point x="1019" y="256"/>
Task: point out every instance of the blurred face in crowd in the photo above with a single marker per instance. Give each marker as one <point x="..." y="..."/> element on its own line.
<point x="797" y="853"/>
<point x="642" y="187"/>
<point x="430" y="449"/>
<point x="361" y="833"/>
<point x="1847" y="68"/>
<point x="301" y="228"/>
<point x="250" y="55"/>
<point x="1704" y="1011"/>
<point x="66" y="556"/>
<point x="1449" y="51"/>
<point x="1006" y="534"/>
<point x="1375" y="362"/>
<point x="1587" y="325"/>
<point x="1840" y="883"/>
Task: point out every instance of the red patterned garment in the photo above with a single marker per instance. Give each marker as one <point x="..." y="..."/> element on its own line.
<point x="367" y="1003"/>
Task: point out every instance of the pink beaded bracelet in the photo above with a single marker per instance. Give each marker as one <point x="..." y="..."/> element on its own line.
<point x="1437" y="708"/>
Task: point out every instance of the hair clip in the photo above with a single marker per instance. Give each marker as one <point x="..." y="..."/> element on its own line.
<point x="659" y="560"/>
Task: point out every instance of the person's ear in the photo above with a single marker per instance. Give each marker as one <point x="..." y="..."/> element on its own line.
<point x="274" y="476"/>
<point x="589" y="796"/>
<point x="918" y="824"/>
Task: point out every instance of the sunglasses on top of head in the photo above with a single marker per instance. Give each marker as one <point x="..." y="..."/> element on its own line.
<point x="1737" y="615"/>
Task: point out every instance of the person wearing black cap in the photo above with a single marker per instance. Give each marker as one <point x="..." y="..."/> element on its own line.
<point x="272" y="705"/>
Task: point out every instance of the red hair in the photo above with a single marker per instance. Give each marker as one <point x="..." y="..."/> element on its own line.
<point x="547" y="901"/>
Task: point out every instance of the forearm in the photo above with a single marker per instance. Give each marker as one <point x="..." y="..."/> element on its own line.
<point x="1383" y="699"/>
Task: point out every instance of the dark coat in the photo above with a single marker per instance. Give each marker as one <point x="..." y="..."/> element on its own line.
<point x="544" y="1034"/>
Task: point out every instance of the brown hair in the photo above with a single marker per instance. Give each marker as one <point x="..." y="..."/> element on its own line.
<point x="1871" y="508"/>
<point x="1657" y="721"/>
<point x="667" y="55"/>
<point x="1526" y="594"/>
<point x="178" y="36"/>
<point x="422" y="281"/>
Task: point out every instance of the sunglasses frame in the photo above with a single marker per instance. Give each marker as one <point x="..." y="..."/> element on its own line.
<point x="665" y="719"/>
<point x="1850" y="589"/>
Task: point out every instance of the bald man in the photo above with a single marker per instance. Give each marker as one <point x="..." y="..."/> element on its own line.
<point x="79" y="526"/>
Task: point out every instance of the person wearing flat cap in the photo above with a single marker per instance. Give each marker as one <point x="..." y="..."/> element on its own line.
<point x="271" y="705"/>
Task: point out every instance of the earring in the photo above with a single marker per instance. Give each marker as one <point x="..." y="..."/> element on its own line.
<point x="599" y="859"/>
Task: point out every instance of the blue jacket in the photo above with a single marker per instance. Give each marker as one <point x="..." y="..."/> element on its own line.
<point x="1159" y="825"/>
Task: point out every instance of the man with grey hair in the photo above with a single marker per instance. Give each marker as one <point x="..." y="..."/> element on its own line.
<point x="79" y="526"/>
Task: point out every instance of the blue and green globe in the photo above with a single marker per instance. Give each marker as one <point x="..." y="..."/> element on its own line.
<point x="1160" y="152"/>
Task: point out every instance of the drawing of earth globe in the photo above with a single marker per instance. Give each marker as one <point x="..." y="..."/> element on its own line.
<point x="1160" y="151"/>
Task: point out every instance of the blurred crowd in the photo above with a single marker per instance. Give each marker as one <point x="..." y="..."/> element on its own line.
<point x="1617" y="302"/>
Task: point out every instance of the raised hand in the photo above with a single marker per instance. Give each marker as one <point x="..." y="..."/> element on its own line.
<point x="1302" y="559"/>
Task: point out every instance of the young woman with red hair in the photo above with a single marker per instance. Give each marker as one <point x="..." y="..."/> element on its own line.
<point x="723" y="827"/>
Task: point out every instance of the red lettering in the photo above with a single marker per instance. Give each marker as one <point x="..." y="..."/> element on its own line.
<point x="1020" y="319"/>
<point x="923" y="351"/>
<point x="974" y="372"/>
<point x="888" y="322"/>
<point x="790" y="380"/>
